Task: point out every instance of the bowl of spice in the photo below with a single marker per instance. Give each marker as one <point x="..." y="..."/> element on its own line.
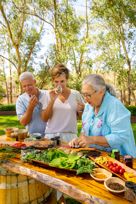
<point x="115" y="185"/>
<point x="100" y="174"/>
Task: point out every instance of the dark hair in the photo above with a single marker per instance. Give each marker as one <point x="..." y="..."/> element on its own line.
<point x="58" y="70"/>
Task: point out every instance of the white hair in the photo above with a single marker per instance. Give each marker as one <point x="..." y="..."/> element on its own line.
<point x="97" y="83"/>
<point x="26" y="75"/>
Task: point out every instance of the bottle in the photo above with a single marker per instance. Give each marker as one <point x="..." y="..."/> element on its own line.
<point x="115" y="154"/>
<point x="128" y="161"/>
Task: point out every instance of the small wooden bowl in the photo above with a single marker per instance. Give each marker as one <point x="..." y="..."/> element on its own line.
<point x="114" y="180"/>
<point x="100" y="174"/>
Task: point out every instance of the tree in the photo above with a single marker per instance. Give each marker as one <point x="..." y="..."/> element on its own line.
<point x="118" y="18"/>
<point x="21" y="33"/>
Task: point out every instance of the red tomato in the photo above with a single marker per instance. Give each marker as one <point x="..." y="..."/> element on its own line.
<point x="120" y="167"/>
<point x="19" y="145"/>
<point x="115" y="164"/>
<point x="121" y="171"/>
<point x="117" y="169"/>
<point x="23" y="145"/>
<point x="110" y="167"/>
<point x="114" y="169"/>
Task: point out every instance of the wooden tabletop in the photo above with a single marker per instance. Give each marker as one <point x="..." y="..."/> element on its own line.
<point x="82" y="188"/>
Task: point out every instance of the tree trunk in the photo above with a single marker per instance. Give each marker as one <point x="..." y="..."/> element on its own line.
<point x="56" y="30"/>
<point x="122" y="35"/>
<point x="10" y="87"/>
<point x="6" y="85"/>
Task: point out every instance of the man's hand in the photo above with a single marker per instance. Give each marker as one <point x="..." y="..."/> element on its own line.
<point x="26" y="118"/>
<point x="33" y="102"/>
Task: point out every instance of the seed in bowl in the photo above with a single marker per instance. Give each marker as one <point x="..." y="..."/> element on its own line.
<point x="115" y="186"/>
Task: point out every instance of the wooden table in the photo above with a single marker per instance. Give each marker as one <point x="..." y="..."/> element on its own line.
<point x="82" y="188"/>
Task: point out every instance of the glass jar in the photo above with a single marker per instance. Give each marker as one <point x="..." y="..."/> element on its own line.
<point x="116" y="154"/>
<point x="128" y="161"/>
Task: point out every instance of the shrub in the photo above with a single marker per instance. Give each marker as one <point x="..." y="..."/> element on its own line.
<point x="132" y="109"/>
<point x="10" y="107"/>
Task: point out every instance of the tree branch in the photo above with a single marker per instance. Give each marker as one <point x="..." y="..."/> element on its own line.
<point x="32" y="48"/>
<point x="3" y="24"/>
<point x="9" y="61"/>
<point x="10" y="34"/>
<point x="7" y="23"/>
<point x="34" y="14"/>
<point x="21" y="30"/>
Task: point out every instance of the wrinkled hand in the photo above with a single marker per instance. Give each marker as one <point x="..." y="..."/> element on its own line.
<point x="74" y="142"/>
<point x="84" y="141"/>
<point x="33" y="102"/>
<point x="80" y="107"/>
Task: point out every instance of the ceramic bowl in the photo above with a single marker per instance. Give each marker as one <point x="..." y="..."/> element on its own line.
<point x="100" y="174"/>
<point x="116" y="180"/>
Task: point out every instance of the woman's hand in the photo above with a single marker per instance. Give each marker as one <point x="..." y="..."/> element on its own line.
<point x="74" y="142"/>
<point x="84" y="141"/>
<point x="53" y="94"/>
<point x="80" y="107"/>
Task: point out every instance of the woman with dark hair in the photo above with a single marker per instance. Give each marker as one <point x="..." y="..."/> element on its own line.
<point x="61" y="106"/>
<point x="105" y="120"/>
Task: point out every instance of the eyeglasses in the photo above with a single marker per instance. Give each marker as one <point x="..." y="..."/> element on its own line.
<point x="86" y="95"/>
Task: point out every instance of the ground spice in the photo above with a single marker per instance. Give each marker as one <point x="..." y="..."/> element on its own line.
<point x="115" y="186"/>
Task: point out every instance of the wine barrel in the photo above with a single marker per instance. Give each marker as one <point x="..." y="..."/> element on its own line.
<point x="19" y="189"/>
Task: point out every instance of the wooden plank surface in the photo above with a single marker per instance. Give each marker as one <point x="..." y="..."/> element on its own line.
<point x="82" y="188"/>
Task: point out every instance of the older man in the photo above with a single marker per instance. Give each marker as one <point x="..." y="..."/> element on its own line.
<point x="28" y="107"/>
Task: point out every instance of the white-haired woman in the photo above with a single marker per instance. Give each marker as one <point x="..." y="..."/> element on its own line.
<point x="105" y="120"/>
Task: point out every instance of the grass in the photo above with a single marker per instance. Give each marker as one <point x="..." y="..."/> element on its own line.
<point x="134" y="130"/>
<point x="8" y="121"/>
<point x="12" y="121"/>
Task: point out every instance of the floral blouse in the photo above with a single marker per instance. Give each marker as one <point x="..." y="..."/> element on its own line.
<point x="113" y="122"/>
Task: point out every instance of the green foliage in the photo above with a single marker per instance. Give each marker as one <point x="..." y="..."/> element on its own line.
<point x="10" y="107"/>
<point x="132" y="109"/>
<point x="115" y="37"/>
<point x="43" y="78"/>
<point x="134" y="130"/>
<point x="21" y="34"/>
<point x="75" y="82"/>
<point x="2" y="92"/>
<point x="58" y="158"/>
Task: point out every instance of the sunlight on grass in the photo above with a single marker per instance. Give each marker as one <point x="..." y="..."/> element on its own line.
<point x="8" y="121"/>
